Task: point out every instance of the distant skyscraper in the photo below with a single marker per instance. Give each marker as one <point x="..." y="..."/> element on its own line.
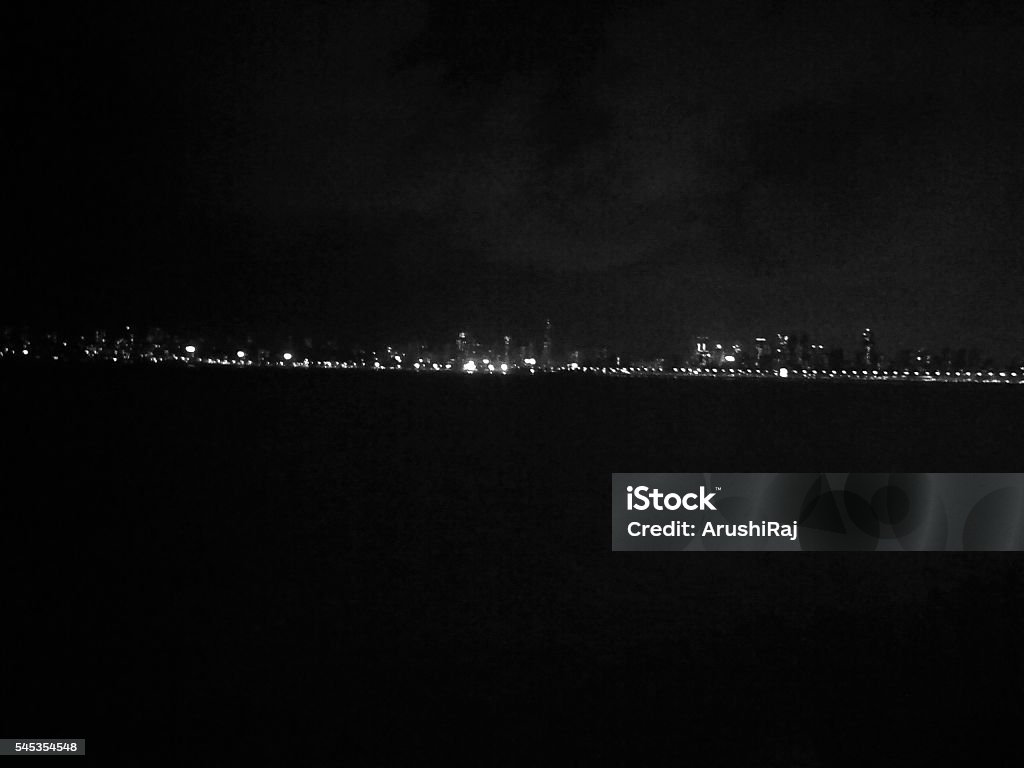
<point x="761" y="347"/>
<point x="545" y="355"/>
<point x="868" y="337"/>
<point x="783" y="349"/>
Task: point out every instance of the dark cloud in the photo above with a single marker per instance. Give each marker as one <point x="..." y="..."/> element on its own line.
<point x="735" y="166"/>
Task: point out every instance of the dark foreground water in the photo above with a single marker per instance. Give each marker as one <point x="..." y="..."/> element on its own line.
<point x="360" y="565"/>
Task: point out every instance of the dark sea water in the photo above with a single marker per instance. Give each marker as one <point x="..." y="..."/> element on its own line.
<point x="362" y="565"/>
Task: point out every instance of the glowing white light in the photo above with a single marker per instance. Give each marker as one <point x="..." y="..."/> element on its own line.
<point x="490" y="366"/>
<point x="416" y="366"/>
<point x="376" y="365"/>
<point x="530" y="361"/>
<point x="469" y="367"/>
<point x="190" y="349"/>
<point x="287" y="355"/>
<point x="504" y="367"/>
<point x="486" y="361"/>
<point x="436" y="367"/>
<point x="574" y="366"/>
<point x="25" y="352"/>
<point x="730" y="359"/>
<point x="783" y="373"/>
<point x="240" y="354"/>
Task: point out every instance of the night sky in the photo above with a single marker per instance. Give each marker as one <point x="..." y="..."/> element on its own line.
<point x="639" y="173"/>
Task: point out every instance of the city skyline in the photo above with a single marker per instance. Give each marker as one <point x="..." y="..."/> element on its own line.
<point x="798" y="352"/>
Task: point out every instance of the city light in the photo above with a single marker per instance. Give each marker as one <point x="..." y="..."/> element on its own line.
<point x="156" y="346"/>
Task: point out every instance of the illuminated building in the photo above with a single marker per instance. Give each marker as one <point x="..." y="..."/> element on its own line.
<point x="868" y="338"/>
<point x="782" y="345"/>
<point x="762" y="352"/>
<point x="783" y="350"/>
<point x="702" y="357"/>
<point x="732" y="356"/>
<point x="545" y="354"/>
